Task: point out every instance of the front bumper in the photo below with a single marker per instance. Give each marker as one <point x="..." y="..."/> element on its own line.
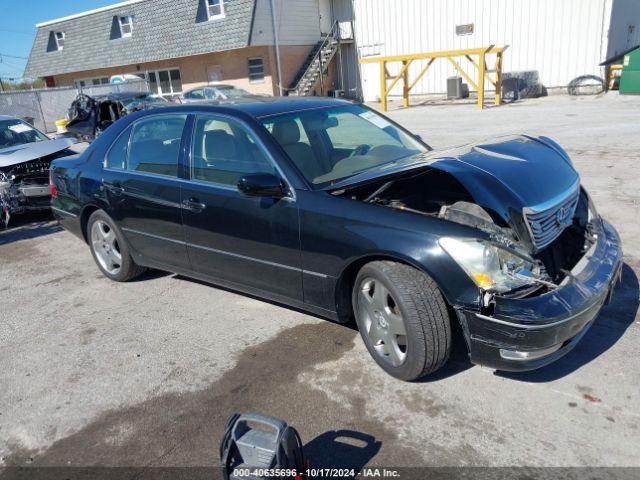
<point x="19" y="199"/>
<point x="525" y="334"/>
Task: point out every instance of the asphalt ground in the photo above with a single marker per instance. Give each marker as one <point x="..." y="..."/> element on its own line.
<point x="145" y="373"/>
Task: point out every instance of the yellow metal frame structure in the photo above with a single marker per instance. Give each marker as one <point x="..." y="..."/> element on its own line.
<point x="480" y="63"/>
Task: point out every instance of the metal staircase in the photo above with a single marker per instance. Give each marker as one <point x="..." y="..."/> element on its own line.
<point x="318" y="61"/>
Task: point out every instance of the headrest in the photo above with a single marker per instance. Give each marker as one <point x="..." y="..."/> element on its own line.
<point x="286" y="132"/>
<point x="219" y="144"/>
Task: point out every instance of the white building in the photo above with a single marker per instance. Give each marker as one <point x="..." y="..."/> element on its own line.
<point x="560" y="39"/>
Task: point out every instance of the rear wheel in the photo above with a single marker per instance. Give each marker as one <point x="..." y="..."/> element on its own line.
<point x="109" y="249"/>
<point x="402" y="318"/>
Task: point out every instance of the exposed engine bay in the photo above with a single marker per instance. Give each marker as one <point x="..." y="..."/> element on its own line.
<point x="439" y="194"/>
<point x="25" y="157"/>
<point x="25" y="186"/>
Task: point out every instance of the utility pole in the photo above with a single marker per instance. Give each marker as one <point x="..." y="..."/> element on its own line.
<point x="276" y="44"/>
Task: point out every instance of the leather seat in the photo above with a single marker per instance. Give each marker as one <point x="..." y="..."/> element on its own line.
<point x="224" y="158"/>
<point x="287" y="133"/>
<point x="151" y="156"/>
<point x="219" y="145"/>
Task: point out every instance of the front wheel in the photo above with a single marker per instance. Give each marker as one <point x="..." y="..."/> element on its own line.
<point x="402" y="318"/>
<point x="109" y="248"/>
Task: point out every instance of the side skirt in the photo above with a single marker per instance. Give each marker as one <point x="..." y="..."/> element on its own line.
<point x="262" y="294"/>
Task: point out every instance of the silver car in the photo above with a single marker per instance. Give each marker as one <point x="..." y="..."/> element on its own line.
<point x="215" y="93"/>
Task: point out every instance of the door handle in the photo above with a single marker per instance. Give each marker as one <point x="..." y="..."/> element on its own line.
<point x="193" y="205"/>
<point x="114" y="187"/>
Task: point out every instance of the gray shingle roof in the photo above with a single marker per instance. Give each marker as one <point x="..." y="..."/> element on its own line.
<point x="163" y="29"/>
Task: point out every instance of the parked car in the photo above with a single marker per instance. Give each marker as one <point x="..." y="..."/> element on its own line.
<point x="331" y="207"/>
<point x="25" y="158"/>
<point x="90" y="116"/>
<point x="215" y="93"/>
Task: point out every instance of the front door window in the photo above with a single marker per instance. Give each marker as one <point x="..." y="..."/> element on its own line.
<point x="223" y="151"/>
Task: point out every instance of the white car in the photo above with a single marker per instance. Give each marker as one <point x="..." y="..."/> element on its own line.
<point x="25" y="158"/>
<point x="215" y="93"/>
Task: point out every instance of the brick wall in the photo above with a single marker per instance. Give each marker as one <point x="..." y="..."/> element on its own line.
<point x="233" y="63"/>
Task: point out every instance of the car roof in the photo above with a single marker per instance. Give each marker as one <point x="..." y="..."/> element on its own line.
<point x="215" y="85"/>
<point x="121" y="95"/>
<point x="8" y="117"/>
<point x="260" y="107"/>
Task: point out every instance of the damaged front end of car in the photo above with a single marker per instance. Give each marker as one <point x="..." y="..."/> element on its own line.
<point x="24" y="177"/>
<point x="533" y="324"/>
<point x="543" y="262"/>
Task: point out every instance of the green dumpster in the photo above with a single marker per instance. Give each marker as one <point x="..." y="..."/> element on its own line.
<point x="630" y="79"/>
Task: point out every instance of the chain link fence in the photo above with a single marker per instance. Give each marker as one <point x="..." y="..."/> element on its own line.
<point x="43" y="107"/>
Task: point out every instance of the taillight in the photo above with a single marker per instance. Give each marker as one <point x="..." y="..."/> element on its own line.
<point x="52" y="188"/>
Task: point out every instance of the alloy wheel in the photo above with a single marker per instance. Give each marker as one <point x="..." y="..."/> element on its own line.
<point x="382" y="321"/>
<point x="106" y="248"/>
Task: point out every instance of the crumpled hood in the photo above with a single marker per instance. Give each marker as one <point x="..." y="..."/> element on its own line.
<point x="517" y="171"/>
<point x="31" y="151"/>
<point x="512" y="173"/>
<point x="505" y="175"/>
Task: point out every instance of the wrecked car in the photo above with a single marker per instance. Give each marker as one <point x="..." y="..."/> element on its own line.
<point x="330" y="207"/>
<point x="90" y="116"/>
<point x="25" y="158"/>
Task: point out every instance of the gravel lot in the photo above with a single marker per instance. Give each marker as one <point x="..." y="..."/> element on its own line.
<point x="145" y="373"/>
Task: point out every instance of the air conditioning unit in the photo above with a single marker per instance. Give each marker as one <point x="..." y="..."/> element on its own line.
<point x="456" y="89"/>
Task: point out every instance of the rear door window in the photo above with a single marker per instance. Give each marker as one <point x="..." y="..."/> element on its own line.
<point x="155" y="145"/>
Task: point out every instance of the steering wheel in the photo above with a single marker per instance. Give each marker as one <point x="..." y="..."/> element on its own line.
<point x="361" y="149"/>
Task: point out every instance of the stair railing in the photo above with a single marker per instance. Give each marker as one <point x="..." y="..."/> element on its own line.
<point x="333" y="34"/>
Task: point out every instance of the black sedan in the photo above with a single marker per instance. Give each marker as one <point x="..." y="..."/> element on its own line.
<point x="331" y="207"/>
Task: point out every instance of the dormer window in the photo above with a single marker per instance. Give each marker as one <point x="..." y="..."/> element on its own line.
<point x="126" y="26"/>
<point x="59" y="37"/>
<point x="215" y="9"/>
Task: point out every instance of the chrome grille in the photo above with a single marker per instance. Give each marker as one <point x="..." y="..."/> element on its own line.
<point x="547" y="223"/>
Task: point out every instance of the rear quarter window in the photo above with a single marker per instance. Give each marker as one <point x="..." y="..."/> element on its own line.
<point x="117" y="156"/>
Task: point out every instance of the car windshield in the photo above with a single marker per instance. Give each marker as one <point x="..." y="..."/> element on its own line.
<point x="16" y="132"/>
<point x="331" y="144"/>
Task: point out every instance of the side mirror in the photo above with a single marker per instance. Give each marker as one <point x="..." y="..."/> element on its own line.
<point x="262" y="185"/>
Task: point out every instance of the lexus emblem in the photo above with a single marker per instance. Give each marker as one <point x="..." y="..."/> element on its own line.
<point x="561" y="216"/>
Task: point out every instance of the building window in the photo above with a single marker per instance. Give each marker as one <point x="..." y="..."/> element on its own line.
<point x="91" y="82"/>
<point x="166" y="82"/>
<point x="126" y="26"/>
<point x="256" y="70"/>
<point x="215" y="9"/>
<point x="59" y="36"/>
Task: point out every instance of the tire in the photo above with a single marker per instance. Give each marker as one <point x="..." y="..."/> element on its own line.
<point x="109" y="249"/>
<point x="416" y="299"/>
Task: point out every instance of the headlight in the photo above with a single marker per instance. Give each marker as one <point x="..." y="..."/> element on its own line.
<point x="491" y="268"/>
